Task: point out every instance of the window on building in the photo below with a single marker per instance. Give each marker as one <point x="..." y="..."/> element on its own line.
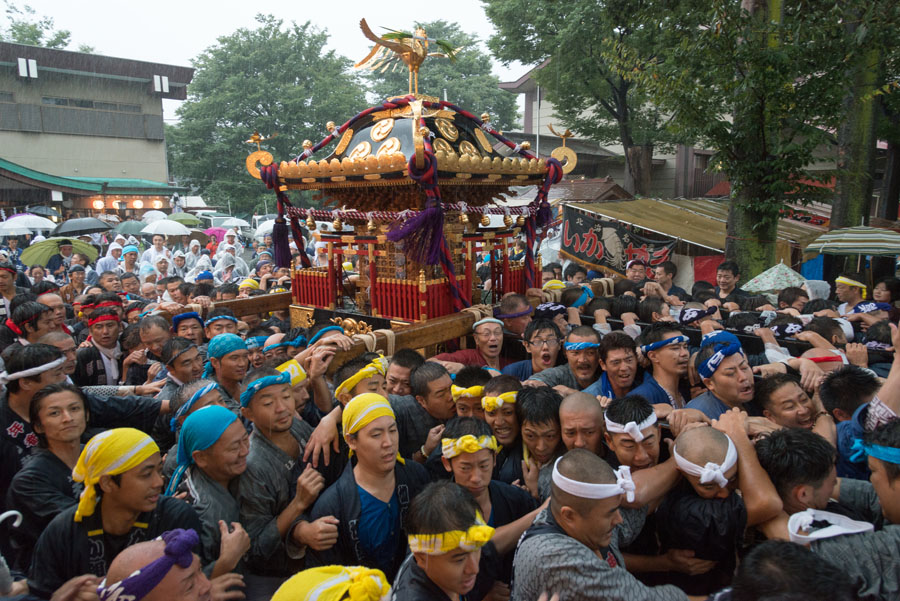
<point x="6" y="97"/>
<point x="88" y="104"/>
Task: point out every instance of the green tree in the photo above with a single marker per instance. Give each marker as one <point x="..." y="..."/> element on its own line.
<point x="24" y="26"/>
<point x="588" y="92"/>
<point x="759" y="82"/>
<point x="467" y="81"/>
<point x="273" y="78"/>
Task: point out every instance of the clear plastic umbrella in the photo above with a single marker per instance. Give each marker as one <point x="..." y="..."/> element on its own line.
<point x="234" y="222"/>
<point x="166" y="228"/>
<point x="32" y="222"/>
<point x="12" y="229"/>
<point x="151" y="216"/>
<point x="265" y="228"/>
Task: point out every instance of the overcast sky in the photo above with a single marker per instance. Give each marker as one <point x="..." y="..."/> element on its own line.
<point x="174" y="32"/>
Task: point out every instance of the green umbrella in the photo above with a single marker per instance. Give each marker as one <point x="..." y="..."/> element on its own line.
<point x="130" y="228"/>
<point x="184" y="219"/>
<point x="860" y="240"/>
<point x="39" y="253"/>
<point x="774" y="279"/>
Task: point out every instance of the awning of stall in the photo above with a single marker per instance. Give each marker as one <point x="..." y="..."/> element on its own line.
<point x="698" y="222"/>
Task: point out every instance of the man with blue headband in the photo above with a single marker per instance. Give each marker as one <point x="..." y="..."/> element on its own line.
<point x="227" y="361"/>
<point x="582" y="367"/>
<point x="865" y="549"/>
<point x="666" y="348"/>
<point x="278" y="488"/>
<point x="212" y="454"/>
<point x="727" y="375"/>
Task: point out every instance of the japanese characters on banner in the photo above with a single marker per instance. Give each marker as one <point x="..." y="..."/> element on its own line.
<point x="607" y="245"/>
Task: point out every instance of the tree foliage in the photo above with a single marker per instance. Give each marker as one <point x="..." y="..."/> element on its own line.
<point x="24" y="26"/>
<point x="468" y="81"/>
<point x="762" y="87"/>
<point x="273" y="78"/>
<point x="588" y="92"/>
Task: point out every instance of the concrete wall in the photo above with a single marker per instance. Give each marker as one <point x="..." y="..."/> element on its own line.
<point x="85" y="142"/>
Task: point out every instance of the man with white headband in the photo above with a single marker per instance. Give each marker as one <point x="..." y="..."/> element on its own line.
<point x="728" y="377"/>
<point x="573" y="546"/>
<point x="701" y="514"/>
<point x="488" y="334"/>
<point x="666" y="348"/>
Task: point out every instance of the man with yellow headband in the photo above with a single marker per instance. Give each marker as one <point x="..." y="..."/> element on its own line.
<point x="453" y="556"/>
<point x="372" y="494"/>
<point x="850" y="290"/>
<point x="122" y="504"/>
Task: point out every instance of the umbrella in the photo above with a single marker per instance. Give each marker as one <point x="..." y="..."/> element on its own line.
<point x="234" y="222"/>
<point x="184" y="219"/>
<point x="109" y="218"/>
<point x="130" y="228"/>
<point x="39" y="253"/>
<point x="218" y="232"/>
<point x="774" y="279"/>
<point x="32" y="222"/>
<point x="45" y="211"/>
<point x="265" y="228"/>
<point x="8" y="228"/>
<point x="199" y="236"/>
<point x="166" y="228"/>
<point x="80" y="227"/>
<point x="860" y="240"/>
<point x="151" y="216"/>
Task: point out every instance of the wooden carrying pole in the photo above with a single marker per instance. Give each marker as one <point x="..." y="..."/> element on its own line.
<point x="280" y="301"/>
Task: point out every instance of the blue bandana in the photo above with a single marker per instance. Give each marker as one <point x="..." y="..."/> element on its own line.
<point x="204" y="275"/>
<point x="298" y="341"/>
<point x="218" y="317"/>
<point x="707" y="368"/>
<point x="861" y="449"/>
<point x="200" y="431"/>
<point x="658" y="345"/>
<point x="186" y="408"/>
<point x="579" y="346"/>
<point x="257" y="385"/>
<point x="177" y="319"/>
<point x="719" y="337"/>
<point x="325" y="330"/>
<point x="128" y="249"/>
<point x="220" y="346"/>
<point x="869" y="306"/>
<point x="586" y="295"/>
<point x="255" y="342"/>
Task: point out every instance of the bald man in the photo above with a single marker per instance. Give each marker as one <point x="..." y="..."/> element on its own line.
<point x="580" y="418"/>
<point x="573" y="546"/>
<point x="702" y="514"/>
<point x="186" y="583"/>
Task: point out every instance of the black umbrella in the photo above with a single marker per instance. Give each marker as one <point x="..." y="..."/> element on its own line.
<point x="80" y="227"/>
<point x="41" y="210"/>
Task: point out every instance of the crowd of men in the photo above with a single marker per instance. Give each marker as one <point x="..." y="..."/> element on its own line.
<point x="654" y="443"/>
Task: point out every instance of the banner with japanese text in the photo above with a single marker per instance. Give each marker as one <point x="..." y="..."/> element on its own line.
<point x="607" y="245"/>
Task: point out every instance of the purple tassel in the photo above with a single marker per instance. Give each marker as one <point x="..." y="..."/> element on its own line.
<point x="421" y="235"/>
<point x="281" y="243"/>
<point x="543" y="215"/>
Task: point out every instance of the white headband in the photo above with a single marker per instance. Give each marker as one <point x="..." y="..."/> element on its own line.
<point x="711" y="472"/>
<point x="631" y="428"/>
<point x="624" y="485"/>
<point x="832" y="524"/>
<point x="5" y="377"/>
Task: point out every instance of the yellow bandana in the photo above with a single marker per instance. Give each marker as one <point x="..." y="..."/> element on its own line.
<point x="854" y="283"/>
<point x="362" y="410"/>
<point x="378" y="366"/>
<point x="439" y="544"/>
<point x="249" y="283"/>
<point x="335" y="583"/>
<point x="293" y="367"/>
<point x="472" y="392"/>
<point x="451" y="447"/>
<point x="553" y="285"/>
<point x="492" y="403"/>
<point x="108" y="454"/>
